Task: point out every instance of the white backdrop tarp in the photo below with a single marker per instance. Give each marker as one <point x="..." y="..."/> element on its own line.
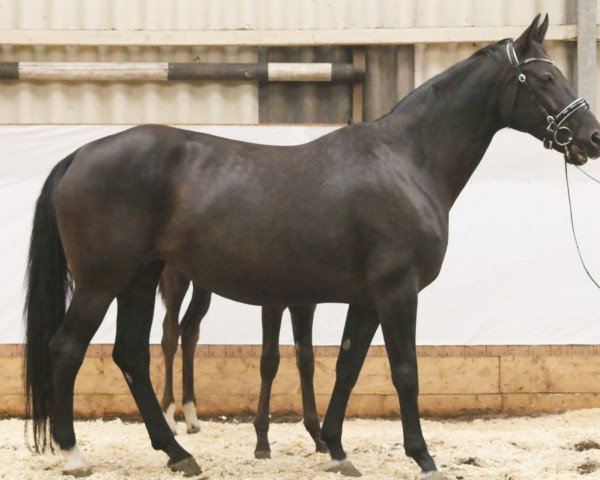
<point x="511" y="274"/>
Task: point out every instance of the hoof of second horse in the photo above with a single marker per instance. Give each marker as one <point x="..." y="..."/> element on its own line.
<point x="344" y="467"/>
<point x="78" y="472"/>
<point x="431" y="476"/>
<point x="187" y="466"/>
<point x="193" y="429"/>
<point x="321" y="447"/>
<point x="262" y="454"/>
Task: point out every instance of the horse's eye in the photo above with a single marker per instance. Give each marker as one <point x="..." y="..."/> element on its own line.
<point x="546" y="78"/>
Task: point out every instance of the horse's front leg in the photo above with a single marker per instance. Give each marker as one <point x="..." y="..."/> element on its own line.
<point x="302" y="323"/>
<point x="361" y="325"/>
<point x="397" y="311"/>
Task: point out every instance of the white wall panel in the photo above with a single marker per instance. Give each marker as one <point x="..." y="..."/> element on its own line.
<point x="511" y="274"/>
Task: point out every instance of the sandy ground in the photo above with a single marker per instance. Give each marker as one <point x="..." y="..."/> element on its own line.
<point x="544" y="447"/>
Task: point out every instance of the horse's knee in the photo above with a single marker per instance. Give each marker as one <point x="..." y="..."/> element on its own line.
<point x="269" y="364"/>
<point x="168" y="345"/>
<point x="170" y="336"/>
<point x="406" y="379"/>
<point x="132" y="364"/>
<point x="305" y="358"/>
<point x="190" y="334"/>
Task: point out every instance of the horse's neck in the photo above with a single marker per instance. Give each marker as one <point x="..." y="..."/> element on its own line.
<point x="450" y="123"/>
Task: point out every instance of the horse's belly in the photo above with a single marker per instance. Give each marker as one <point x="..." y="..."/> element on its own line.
<point x="273" y="275"/>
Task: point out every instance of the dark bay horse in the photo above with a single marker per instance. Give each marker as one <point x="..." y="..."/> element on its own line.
<point x="358" y="216"/>
<point x="173" y="287"/>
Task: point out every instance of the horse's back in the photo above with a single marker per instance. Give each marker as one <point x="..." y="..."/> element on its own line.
<point x="275" y="215"/>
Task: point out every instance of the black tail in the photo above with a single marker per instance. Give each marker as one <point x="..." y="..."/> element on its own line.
<point x="48" y="284"/>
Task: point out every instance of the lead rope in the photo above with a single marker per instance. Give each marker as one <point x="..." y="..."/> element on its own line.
<point x="573" y="223"/>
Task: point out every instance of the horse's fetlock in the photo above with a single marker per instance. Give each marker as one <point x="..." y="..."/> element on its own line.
<point x="311" y="422"/>
<point x="330" y="437"/>
<point x="415" y="451"/>
<point x="65" y="441"/>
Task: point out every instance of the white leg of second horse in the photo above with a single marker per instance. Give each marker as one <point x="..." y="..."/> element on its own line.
<point x="170" y="418"/>
<point x="75" y="464"/>
<point x="191" y="419"/>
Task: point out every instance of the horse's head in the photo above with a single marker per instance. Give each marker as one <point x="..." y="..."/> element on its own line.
<point x="539" y="100"/>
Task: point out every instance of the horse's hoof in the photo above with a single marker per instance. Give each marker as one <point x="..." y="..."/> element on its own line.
<point x="262" y="454"/>
<point x="193" y="429"/>
<point x="78" y="472"/>
<point x="187" y="466"/>
<point x="435" y="475"/>
<point x="321" y="447"/>
<point x="344" y="467"/>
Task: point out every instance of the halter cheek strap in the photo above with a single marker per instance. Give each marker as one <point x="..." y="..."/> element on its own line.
<point x="556" y="132"/>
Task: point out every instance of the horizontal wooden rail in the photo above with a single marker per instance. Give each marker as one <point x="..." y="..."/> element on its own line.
<point x="454" y="380"/>
<point x="366" y="36"/>
<point x="163" y="71"/>
<point x="240" y="350"/>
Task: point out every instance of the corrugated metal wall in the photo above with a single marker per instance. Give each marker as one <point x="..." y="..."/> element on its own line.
<point x="128" y="102"/>
<point x="270" y="14"/>
<point x="27" y="102"/>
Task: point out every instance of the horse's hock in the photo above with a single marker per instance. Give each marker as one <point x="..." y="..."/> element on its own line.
<point x="454" y="381"/>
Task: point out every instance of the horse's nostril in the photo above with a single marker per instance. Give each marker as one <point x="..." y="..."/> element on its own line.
<point x="596" y="138"/>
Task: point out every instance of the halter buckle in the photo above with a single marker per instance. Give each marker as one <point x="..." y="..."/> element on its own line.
<point x="522" y="78"/>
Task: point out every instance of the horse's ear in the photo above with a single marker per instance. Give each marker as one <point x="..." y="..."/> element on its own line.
<point x="524" y="41"/>
<point x="541" y="31"/>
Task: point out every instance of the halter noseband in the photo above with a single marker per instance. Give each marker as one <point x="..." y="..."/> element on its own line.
<point x="556" y="132"/>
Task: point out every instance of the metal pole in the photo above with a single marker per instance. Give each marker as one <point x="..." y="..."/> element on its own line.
<point x="586" y="51"/>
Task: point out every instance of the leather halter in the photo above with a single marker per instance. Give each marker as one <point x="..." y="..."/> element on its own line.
<point x="556" y="132"/>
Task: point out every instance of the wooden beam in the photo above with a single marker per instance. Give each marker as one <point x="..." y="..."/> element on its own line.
<point x="203" y="350"/>
<point x="358" y="100"/>
<point x="453" y="381"/>
<point x="162" y="72"/>
<point x="374" y="36"/>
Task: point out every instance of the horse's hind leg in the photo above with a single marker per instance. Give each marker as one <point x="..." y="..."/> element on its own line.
<point x="302" y="322"/>
<point x="175" y="286"/>
<point x="361" y="325"/>
<point x="269" y="363"/>
<point x="67" y="349"/>
<point x="132" y="354"/>
<point x="190" y="332"/>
